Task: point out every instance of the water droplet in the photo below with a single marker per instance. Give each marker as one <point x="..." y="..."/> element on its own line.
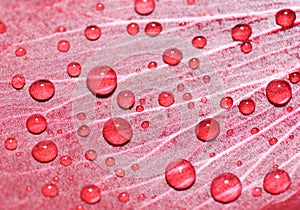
<point x="241" y="32"/>
<point x="63" y="45"/>
<point x="102" y="81"/>
<point x="42" y="90"/>
<point x="206" y="79"/>
<point x="133" y="28"/>
<point x="61" y="29"/>
<point x="246" y="47"/>
<point x="110" y="161"/>
<point x="145" y="124"/>
<point x="18" y="154"/>
<point x="141" y="197"/>
<point x="180" y="174"/>
<point x="124" y="197"/>
<point x="190" y="2"/>
<point x="92" y="32"/>
<point x="144" y="7"/>
<point x="135" y="167"/>
<point x="142" y="101"/>
<point x="152" y="65"/>
<point x="230" y="132"/>
<point x="279" y="92"/>
<point x="20" y="52"/>
<point x="18" y="82"/>
<point x="247" y="106"/>
<point x="90" y="194"/>
<point x="207" y="130"/>
<point x="239" y="163"/>
<point x="285" y="18"/>
<point x="226" y="188"/>
<point x="294" y="77"/>
<point x="226" y="102"/>
<point x="50" y="190"/>
<point x="28" y="189"/>
<point x="191" y="105"/>
<point x="65" y="160"/>
<point x="126" y="99"/>
<point x="166" y="99"/>
<point x="100" y="6"/>
<point x="119" y="172"/>
<point x="84" y="131"/>
<point x="194" y="63"/>
<point x="90" y="155"/>
<point x="254" y="130"/>
<point x="199" y="42"/>
<point x="56" y="179"/>
<point x="117" y="131"/>
<point x="275" y="167"/>
<point x="11" y="143"/>
<point x="273" y="141"/>
<point x="36" y="124"/>
<point x="139" y="108"/>
<point x="45" y="151"/>
<point x="187" y="96"/>
<point x="277" y="182"/>
<point x="2" y="27"/>
<point x="153" y="29"/>
<point x="212" y="154"/>
<point x="74" y="69"/>
<point x="180" y="87"/>
<point x="257" y="191"/>
<point x="172" y="56"/>
<point x="81" y="116"/>
<point x="182" y="24"/>
<point x="204" y="99"/>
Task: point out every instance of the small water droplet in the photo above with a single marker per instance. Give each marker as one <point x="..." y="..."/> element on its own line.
<point x="11" y="143"/>
<point x="294" y="77"/>
<point x="279" y="92"/>
<point x="166" y="99"/>
<point x="254" y="130"/>
<point x="212" y="154"/>
<point x="18" y="82"/>
<point x="126" y="99"/>
<point x="92" y="32"/>
<point x="241" y="32"/>
<point x="187" y="96"/>
<point x="36" y="124"/>
<point x="81" y="116"/>
<point x="257" y="191"/>
<point x="100" y="7"/>
<point x="277" y="182"/>
<point x="226" y="102"/>
<point x="142" y="101"/>
<point x="194" y="63"/>
<point x="144" y="7"/>
<point x="124" y="197"/>
<point x="119" y="172"/>
<point x="90" y="194"/>
<point x="2" y="27"/>
<point x="230" y="132"/>
<point x="90" y="155"/>
<point x="145" y="124"/>
<point x="50" y="190"/>
<point x="172" y="56"/>
<point x="42" y="90"/>
<point x="153" y="29"/>
<point x="28" y="189"/>
<point x="285" y="18"/>
<point x="45" y="151"/>
<point x="65" y="160"/>
<point x="20" y="52"/>
<point x="135" y="167"/>
<point x="273" y="141"/>
<point x="206" y="79"/>
<point x="239" y="163"/>
<point x="61" y="29"/>
<point x="191" y="105"/>
<point x="190" y="2"/>
<point x="74" y="69"/>
<point x="133" y="28"/>
<point x="141" y="197"/>
<point x="207" y="130"/>
<point x="110" y="161"/>
<point x="199" y="42"/>
<point x="247" y="106"/>
<point x="63" y="46"/>
<point x="84" y="131"/>
<point x="246" y="47"/>
<point x="139" y="108"/>
<point x="152" y="65"/>
<point x="180" y="87"/>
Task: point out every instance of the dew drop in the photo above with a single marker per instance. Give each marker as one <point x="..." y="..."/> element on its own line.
<point x="180" y="87"/>
<point x="187" y="96"/>
<point x="139" y="108"/>
<point x="92" y="32"/>
<point x="191" y="105"/>
<point x="90" y="155"/>
<point x="152" y="65"/>
<point x="56" y="179"/>
<point x="207" y="130"/>
<point x="273" y="141"/>
<point x="180" y="174"/>
<point x="141" y="197"/>
<point x="194" y="63"/>
<point x="145" y="124"/>
<point x="63" y="46"/>
<point x="230" y="132"/>
<point x="126" y="99"/>
<point x="20" y="52"/>
<point x="61" y="29"/>
<point x="239" y="163"/>
<point x="74" y="69"/>
<point x="124" y="197"/>
<point x="206" y="79"/>
<point x="199" y="42"/>
<point x="256" y="191"/>
<point x="133" y="28"/>
<point x="2" y="27"/>
<point x="11" y="143"/>
<point x="65" y="160"/>
<point x="117" y="131"/>
<point x="36" y="124"/>
<point x="28" y="189"/>
<point x="172" y="56"/>
<point x="142" y="101"/>
<point x="226" y="102"/>
<point x="254" y="130"/>
<point x="247" y="106"/>
<point x="226" y="188"/>
<point x="83" y="131"/>
<point x="279" y="92"/>
<point x="294" y="77"/>
<point x="18" y="82"/>
<point x="285" y="18"/>
<point x="241" y="32"/>
<point x="246" y="47"/>
<point x="135" y="167"/>
<point x="45" y="151"/>
<point x="42" y="90"/>
<point x="50" y="190"/>
<point x="102" y="81"/>
<point x="90" y="194"/>
<point x="153" y="29"/>
<point x="144" y="7"/>
<point x="100" y="7"/>
<point x="81" y="116"/>
<point x="119" y="172"/>
<point x="166" y="99"/>
<point x="110" y="161"/>
<point x="277" y="182"/>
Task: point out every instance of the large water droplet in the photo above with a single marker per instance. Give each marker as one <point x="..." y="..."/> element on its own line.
<point x="18" y="82"/>
<point x="11" y="143"/>
<point x="241" y="32"/>
<point x="207" y="130"/>
<point x="63" y="45"/>
<point x="42" y="90"/>
<point x="144" y="7"/>
<point x="285" y="18"/>
<point x="90" y="194"/>
<point x="44" y="151"/>
<point x="153" y="29"/>
<point x="74" y="69"/>
<point x="277" y="182"/>
<point x="126" y="99"/>
<point x="172" y="56"/>
<point x="247" y="106"/>
<point x="279" y="92"/>
<point x="92" y="32"/>
<point x="36" y="124"/>
<point x="166" y="99"/>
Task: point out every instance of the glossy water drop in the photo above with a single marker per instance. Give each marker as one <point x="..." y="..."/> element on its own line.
<point x="126" y="99"/>
<point x="18" y="82"/>
<point x="190" y="2"/>
<point x="102" y="81"/>
<point x="172" y="56"/>
<point x="247" y="106"/>
<point x="100" y="7"/>
<point x="2" y="27"/>
<point x="11" y="143"/>
<point x="141" y="197"/>
<point x="50" y="190"/>
<point x="119" y="172"/>
<point x="20" y="52"/>
<point x="84" y="131"/>
<point x="144" y="7"/>
<point x="65" y="160"/>
<point x="92" y="32"/>
<point x="212" y="154"/>
<point x="61" y="29"/>
<point x="45" y="151"/>
<point x="117" y="131"/>
<point x="194" y="63"/>
<point x="133" y="28"/>
<point x="139" y="108"/>
<point x="226" y="102"/>
<point x="90" y="155"/>
<point x="191" y="105"/>
<point x="239" y="163"/>
<point x="230" y="132"/>
<point x="28" y="189"/>
<point x="277" y="182"/>
<point x="135" y="167"/>
<point x="74" y="69"/>
<point x="180" y="174"/>
<point x="199" y="42"/>
<point x="36" y="124"/>
<point x="226" y="188"/>
<point x="124" y="197"/>
<point x="279" y="92"/>
<point x="110" y="161"/>
<point x="246" y="47"/>
<point x="81" y="116"/>
<point x="145" y="124"/>
<point x="187" y="96"/>
<point x="273" y="141"/>
<point x="90" y="194"/>
<point x="206" y="79"/>
<point x="254" y="130"/>
<point x="294" y="77"/>
<point x="257" y="191"/>
<point x="153" y="29"/>
<point x="285" y="18"/>
<point x="142" y="101"/>
<point x="42" y="90"/>
<point x="180" y="87"/>
<point x="166" y="99"/>
<point x="241" y="32"/>
<point x="152" y="65"/>
<point x="63" y="45"/>
<point x="207" y="130"/>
